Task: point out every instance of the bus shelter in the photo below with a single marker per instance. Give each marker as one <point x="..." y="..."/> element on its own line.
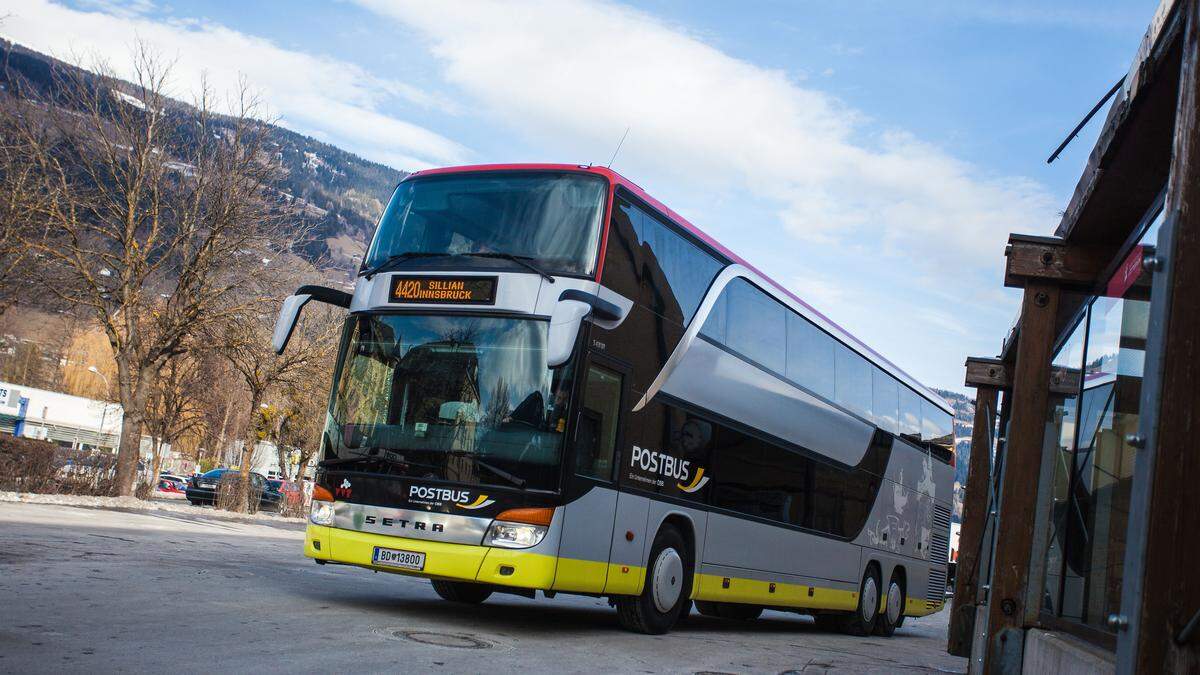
<point x="1080" y="517"/>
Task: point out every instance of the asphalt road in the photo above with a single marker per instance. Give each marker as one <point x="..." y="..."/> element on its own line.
<point x="90" y="590"/>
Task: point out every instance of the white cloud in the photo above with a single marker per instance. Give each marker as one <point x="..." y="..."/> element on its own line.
<point x="330" y="99"/>
<point x="588" y="69"/>
<point x="910" y="219"/>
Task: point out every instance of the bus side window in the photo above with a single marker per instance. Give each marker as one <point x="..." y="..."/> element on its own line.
<point x="596" y="438"/>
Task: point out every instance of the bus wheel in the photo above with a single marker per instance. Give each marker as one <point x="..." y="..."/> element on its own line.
<point x="862" y="621"/>
<point x="893" y="612"/>
<point x="728" y="610"/>
<point x="667" y="588"/>
<point x="461" y="591"/>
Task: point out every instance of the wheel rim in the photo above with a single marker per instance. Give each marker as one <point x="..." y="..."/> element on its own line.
<point x="667" y="580"/>
<point x="870" y="599"/>
<point x="893" y="603"/>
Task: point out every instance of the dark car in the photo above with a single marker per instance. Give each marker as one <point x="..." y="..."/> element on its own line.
<point x="202" y="489"/>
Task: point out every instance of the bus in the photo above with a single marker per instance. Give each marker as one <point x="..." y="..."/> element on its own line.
<point x="549" y="381"/>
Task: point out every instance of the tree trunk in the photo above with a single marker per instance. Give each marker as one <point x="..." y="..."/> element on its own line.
<point x="249" y="445"/>
<point x="133" y="393"/>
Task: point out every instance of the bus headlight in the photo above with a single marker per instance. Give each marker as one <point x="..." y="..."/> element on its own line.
<point x="514" y="535"/>
<point x="321" y="513"/>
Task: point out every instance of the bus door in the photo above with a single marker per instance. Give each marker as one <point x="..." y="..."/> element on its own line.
<point x="590" y="491"/>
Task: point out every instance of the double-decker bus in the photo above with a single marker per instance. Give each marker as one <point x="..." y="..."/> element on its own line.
<point x="549" y="381"/>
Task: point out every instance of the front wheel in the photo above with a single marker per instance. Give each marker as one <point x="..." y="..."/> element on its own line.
<point x="461" y="591"/>
<point x="667" y="588"/>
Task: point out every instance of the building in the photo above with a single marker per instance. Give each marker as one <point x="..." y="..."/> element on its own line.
<point x="69" y="421"/>
<point x="1078" y="542"/>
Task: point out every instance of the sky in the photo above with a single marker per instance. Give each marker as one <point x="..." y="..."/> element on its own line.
<point x="871" y="156"/>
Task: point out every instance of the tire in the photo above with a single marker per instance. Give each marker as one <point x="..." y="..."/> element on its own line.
<point x="461" y="591"/>
<point x="729" y="610"/>
<point x="893" y="612"/>
<point x="667" y="589"/>
<point x="862" y="621"/>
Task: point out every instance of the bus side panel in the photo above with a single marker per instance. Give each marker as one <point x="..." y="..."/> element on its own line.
<point x="897" y="517"/>
<point x="627" y="560"/>
<point x="586" y="534"/>
<point x="748" y="544"/>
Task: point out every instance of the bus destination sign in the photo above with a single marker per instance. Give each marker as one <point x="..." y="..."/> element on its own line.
<point x="443" y="290"/>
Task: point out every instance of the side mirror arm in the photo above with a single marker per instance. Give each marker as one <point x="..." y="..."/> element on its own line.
<point x="289" y="314"/>
<point x="572" y="308"/>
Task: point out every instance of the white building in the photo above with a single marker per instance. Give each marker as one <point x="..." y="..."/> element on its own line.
<point x="69" y="421"/>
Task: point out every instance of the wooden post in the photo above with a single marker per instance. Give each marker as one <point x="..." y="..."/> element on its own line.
<point x="1022" y="464"/>
<point x="974" y="520"/>
<point x="1164" y="598"/>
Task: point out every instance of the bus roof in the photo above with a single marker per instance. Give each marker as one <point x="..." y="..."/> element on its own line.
<point x="618" y="179"/>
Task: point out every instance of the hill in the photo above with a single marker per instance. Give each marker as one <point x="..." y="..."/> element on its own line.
<point x="342" y="194"/>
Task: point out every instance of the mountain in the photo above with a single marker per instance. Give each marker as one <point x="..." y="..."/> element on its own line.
<point x="342" y="194"/>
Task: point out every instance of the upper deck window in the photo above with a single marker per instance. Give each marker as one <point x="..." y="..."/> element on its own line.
<point x="550" y="218"/>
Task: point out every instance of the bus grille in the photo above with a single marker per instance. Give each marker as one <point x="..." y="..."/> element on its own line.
<point x="939" y="554"/>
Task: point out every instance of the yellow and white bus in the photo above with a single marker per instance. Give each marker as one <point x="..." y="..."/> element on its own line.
<point x="549" y="381"/>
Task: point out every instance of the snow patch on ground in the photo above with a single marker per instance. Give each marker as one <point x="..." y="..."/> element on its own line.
<point x="135" y="504"/>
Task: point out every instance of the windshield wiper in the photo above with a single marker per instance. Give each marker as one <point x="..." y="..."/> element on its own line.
<point x="522" y="260"/>
<point x="519" y="482"/>
<point x="391" y="261"/>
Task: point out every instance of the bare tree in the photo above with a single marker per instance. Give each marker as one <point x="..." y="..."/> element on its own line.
<point x="156" y="216"/>
<point x="174" y="406"/>
<point x="245" y="341"/>
<point x="305" y="399"/>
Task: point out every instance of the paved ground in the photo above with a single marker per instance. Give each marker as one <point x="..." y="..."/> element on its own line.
<point x="102" y="591"/>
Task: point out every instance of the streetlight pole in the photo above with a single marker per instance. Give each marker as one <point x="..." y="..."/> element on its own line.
<point x="104" y="411"/>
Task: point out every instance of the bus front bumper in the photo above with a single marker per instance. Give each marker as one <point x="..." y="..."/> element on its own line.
<point x="457" y="562"/>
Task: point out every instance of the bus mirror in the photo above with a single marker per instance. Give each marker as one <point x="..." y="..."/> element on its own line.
<point x="290" y="312"/>
<point x="564" y="329"/>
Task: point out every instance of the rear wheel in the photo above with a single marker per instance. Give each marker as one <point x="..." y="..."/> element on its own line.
<point x="461" y="591"/>
<point x="667" y="588"/>
<point x="893" y="611"/>
<point x="728" y="610"/>
<point x="862" y="621"/>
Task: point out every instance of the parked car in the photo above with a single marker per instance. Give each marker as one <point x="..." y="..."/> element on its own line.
<point x="172" y="484"/>
<point x="202" y="489"/>
<point x="293" y="494"/>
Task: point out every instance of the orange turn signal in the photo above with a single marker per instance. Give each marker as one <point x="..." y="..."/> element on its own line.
<point x="321" y="494"/>
<point x="528" y="516"/>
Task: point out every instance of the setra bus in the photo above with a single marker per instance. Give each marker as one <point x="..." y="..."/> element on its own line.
<point x="549" y="381"/>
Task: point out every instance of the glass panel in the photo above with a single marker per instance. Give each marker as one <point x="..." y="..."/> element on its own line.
<point x="597" y="436"/>
<point x="885" y="400"/>
<point x="1060" y="441"/>
<point x="1103" y="465"/>
<point x="810" y="356"/>
<point x="936" y="425"/>
<point x="467" y="399"/>
<point x="910" y="413"/>
<point x="551" y="218"/>
<point x="853" y="381"/>
<point x="757" y="326"/>
<point x="678" y="273"/>
<point x="714" y="325"/>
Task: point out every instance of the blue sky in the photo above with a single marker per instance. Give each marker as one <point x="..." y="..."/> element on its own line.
<point x="871" y="156"/>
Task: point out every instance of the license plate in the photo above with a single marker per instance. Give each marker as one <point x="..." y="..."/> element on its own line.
<point x="390" y="557"/>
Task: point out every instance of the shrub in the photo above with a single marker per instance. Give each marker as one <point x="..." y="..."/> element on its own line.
<point x="235" y="493"/>
<point x="28" y="465"/>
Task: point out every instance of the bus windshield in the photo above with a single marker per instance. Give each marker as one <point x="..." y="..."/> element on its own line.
<point x="549" y="218"/>
<point x="458" y="398"/>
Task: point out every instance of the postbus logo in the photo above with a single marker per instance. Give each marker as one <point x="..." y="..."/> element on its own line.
<point x="436" y="496"/>
<point x="664" y="465"/>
